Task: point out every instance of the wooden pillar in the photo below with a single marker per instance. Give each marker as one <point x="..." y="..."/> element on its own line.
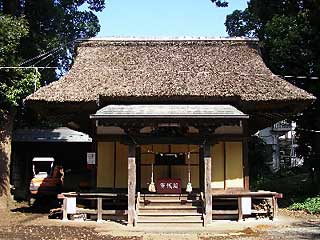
<point x="138" y="167"/>
<point x="207" y="183"/>
<point x="94" y="148"/>
<point x="131" y="184"/>
<point x="201" y="169"/>
<point x="99" y="209"/>
<point x="240" y="214"/>
<point x="245" y="156"/>
<point x="64" y="209"/>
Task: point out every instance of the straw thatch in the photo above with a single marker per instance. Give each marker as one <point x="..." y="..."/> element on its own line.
<point x="205" y="69"/>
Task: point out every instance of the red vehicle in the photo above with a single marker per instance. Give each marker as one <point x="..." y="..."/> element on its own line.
<point x="47" y="178"/>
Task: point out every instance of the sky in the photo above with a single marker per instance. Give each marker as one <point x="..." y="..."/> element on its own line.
<point x="165" y="18"/>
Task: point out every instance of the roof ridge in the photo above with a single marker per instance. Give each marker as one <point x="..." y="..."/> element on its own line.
<point x="155" y="39"/>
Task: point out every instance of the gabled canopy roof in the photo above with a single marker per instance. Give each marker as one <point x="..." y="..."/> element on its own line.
<point x="61" y="134"/>
<point x="168" y="111"/>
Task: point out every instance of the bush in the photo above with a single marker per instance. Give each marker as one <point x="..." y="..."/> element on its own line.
<point x="310" y="205"/>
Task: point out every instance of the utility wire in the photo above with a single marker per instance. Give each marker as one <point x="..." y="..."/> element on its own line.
<point x="27" y="67"/>
<point x="46" y="53"/>
<point x="38" y="56"/>
<point x="45" y="57"/>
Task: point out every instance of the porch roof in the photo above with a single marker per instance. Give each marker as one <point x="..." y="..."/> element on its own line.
<point x="168" y="111"/>
<point x="61" y="134"/>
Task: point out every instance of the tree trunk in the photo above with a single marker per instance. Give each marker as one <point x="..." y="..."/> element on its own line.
<point x="6" y="126"/>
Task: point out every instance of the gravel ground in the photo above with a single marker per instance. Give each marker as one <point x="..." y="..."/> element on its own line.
<point x="20" y="224"/>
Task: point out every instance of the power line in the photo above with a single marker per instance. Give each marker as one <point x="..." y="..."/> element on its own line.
<point x="45" y="57"/>
<point x="309" y="130"/>
<point x="38" y="56"/>
<point x="46" y="53"/>
<point x="301" y="77"/>
<point x="27" y="67"/>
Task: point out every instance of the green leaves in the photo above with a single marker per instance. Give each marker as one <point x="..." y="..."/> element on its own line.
<point x="220" y="3"/>
<point x="16" y="85"/>
<point x="287" y="41"/>
<point x="310" y="205"/>
<point x="241" y="23"/>
<point x="289" y="35"/>
<point x="12" y="30"/>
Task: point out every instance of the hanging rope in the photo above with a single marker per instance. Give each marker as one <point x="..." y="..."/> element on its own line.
<point x="189" y="184"/>
<point x="152" y="186"/>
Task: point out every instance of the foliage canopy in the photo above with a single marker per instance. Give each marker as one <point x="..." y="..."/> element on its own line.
<point x="40" y="33"/>
<point x="289" y="34"/>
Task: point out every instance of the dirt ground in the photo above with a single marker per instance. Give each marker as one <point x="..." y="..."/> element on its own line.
<point x="20" y="224"/>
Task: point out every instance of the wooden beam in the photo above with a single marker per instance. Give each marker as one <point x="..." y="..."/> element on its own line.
<point x="207" y="183"/>
<point x="189" y="139"/>
<point x="131" y="184"/>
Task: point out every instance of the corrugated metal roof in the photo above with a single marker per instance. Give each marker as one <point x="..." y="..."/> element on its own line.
<point x="169" y="111"/>
<point x="62" y="134"/>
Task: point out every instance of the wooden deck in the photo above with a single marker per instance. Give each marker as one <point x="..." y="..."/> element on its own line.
<point x="174" y="208"/>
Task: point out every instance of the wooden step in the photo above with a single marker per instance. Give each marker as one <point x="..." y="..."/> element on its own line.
<point x="168" y="207"/>
<point x="225" y="212"/>
<point x="225" y="203"/>
<point x="169" y="196"/>
<point x="170" y="203"/>
<point x="168" y="214"/>
<point x="170" y="200"/>
<point x="169" y="211"/>
<point x="170" y="219"/>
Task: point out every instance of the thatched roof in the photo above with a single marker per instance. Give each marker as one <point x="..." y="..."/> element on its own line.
<point x="203" y="68"/>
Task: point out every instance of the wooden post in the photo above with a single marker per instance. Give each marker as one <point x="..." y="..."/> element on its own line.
<point x="274" y="207"/>
<point x="138" y="166"/>
<point x="94" y="148"/>
<point x="131" y="184"/>
<point x="245" y="156"/>
<point x="99" y="209"/>
<point x="201" y="169"/>
<point x="64" y="209"/>
<point x="240" y="214"/>
<point x="207" y="183"/>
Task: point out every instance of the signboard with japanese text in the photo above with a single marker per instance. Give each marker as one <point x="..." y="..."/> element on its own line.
<point x="169" y="185"/>
<point x="91" y="158"/>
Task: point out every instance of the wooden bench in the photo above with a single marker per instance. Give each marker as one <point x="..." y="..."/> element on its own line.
<point x="98" y="197"/>
<point x="238" y="195"/>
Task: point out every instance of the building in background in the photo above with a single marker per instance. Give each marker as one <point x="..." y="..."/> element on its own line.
<point x="281" y="145"/>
